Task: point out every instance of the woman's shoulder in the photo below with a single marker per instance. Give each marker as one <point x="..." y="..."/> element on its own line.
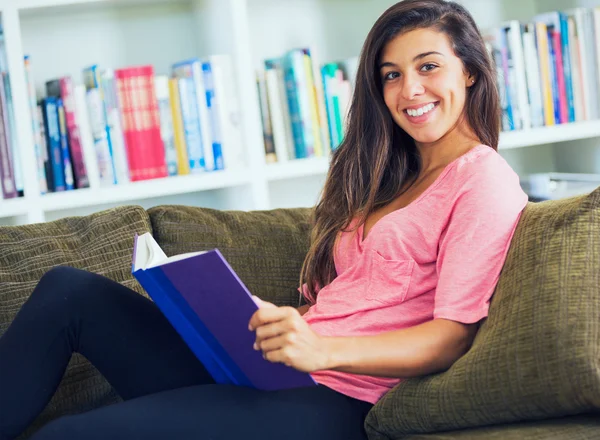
<point x="483" y="165"/>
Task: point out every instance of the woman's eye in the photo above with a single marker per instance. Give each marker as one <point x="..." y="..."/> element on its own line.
<point x="390" y="75"/>
<point x="428" y="67"/>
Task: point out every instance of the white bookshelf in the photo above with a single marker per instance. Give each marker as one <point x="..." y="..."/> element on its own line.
<point x="64" y="36"/>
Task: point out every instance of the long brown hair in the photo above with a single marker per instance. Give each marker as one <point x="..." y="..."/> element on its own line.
<point x="377" y="159"/>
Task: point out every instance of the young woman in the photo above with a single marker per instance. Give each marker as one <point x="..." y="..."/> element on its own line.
<point x="410" y="236"/>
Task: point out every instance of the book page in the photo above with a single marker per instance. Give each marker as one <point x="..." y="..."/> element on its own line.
<point x="148" y="253"/>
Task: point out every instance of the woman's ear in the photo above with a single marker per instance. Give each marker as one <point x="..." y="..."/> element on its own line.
<point x="470" y="79"/>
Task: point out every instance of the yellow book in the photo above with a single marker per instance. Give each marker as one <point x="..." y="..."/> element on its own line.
<point x="544" y="55"/>
<point x="314" y="110"/>
<point x="183" y="164"/>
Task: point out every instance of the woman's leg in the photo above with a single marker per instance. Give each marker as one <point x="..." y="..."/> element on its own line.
<point x="123" y="334"/>
<point x="220" y="412"/>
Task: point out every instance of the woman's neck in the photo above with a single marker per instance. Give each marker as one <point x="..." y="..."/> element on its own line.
<point x="452" y="145"/>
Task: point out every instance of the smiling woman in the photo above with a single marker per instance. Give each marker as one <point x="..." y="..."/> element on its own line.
<point x="409" y="239"/>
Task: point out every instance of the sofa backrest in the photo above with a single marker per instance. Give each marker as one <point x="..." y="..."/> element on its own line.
<point x="265" y="248"/>
<point x="101" y="243"/>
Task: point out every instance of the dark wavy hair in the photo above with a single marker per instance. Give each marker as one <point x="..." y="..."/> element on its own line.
<point x="376" y="158"/>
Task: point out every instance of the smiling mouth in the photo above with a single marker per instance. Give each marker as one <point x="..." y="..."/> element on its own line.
<point x="421" y="112"/>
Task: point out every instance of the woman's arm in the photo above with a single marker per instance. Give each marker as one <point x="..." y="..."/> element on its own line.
<point x="424" y="349"/>
<point x="284" y="336"/>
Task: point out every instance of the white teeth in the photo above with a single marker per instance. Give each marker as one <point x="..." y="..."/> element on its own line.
<point x="420" y="111"/>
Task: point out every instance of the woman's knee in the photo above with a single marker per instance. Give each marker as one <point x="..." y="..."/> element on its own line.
<point x="61" y="284"/>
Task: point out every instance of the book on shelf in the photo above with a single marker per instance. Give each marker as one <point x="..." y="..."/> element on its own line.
<point x="304" y="104"/>
<point x="129" y="124"/>
<point x="207" y="303"/>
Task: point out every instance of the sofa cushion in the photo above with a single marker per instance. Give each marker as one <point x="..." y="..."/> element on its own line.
<point x="265" y="248"/>
<point x="100" y="243"/>
<point x="537" y="354"/>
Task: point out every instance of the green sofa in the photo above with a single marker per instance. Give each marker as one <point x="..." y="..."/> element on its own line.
<point x="533" y="371"/>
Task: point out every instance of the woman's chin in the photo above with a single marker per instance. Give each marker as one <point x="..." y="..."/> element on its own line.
<point x="425" y="138"/>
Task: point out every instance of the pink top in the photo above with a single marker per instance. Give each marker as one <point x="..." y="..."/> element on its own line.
<point x="438" y="257"/>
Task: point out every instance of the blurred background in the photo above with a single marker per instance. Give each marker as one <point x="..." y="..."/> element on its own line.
<point x="238" y="104"/>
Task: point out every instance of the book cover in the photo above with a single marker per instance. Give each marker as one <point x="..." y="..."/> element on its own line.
<point x="210" y="307"/>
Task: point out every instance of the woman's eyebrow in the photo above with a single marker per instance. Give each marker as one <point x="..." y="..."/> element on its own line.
<point x="416" y="58"/>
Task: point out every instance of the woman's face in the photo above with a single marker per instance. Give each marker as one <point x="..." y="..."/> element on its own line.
<point x="424" y="84"/>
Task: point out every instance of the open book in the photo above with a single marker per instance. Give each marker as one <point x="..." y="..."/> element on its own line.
<point x="210" y="307"/>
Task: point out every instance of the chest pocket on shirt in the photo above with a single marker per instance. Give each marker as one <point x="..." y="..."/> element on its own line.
<point x="388" y="279"/>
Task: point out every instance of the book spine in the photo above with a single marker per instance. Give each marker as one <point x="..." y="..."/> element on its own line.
<point x="9" y="189"/>
<point x="566" y="57"/>
<point x="275" y="104"/>
<point x="50" y="110"/>
<point x="191" y="125"/>
<point x="212" y="107"/>
<point x="293" y="99"/>
<point x="79" y="169"/>
<point x="265" y="116"/>
<point x="228" y="111"/>
<point x="141" y="123"/>
<point x="544" y="54"/>
<point x="95" y="110"/>
<point x="35" y="127"/>
<point x="311" y="92"/>
<point x="166" y="123"/>
<point x="64" y="147"/>
<point x="183" y="165"/>
<point x="92" y="81"/>
<point x="553" y="76"/>
<point x="82" y="120"/>
<point x="115" y="127"/>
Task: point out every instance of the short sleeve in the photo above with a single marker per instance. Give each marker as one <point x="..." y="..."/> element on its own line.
<point x="474" y="244"/>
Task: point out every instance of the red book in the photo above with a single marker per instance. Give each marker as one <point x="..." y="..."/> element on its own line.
<point x="141" y="123"/>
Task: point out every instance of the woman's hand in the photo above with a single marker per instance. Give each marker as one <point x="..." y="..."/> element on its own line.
<point x="285" y="337"/>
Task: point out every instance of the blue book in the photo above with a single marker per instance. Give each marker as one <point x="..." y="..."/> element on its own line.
<point x="566" y="55"/>
<point x="55" y="166"/>
<point x="210" y="307"/>
<point x="64" y="146"/>
<point x="191" y="124"/>
<point x="212" y="103"/>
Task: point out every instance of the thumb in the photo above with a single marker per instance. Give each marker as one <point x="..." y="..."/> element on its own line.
<point x="262" y="304"/>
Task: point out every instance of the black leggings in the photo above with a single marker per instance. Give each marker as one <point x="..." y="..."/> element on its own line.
<point x="167" y="392"/>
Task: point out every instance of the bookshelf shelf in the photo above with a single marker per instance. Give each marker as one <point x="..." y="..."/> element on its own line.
<point x="145" y="189"/>
<point x="297" y="168"/>
<point x="13" y="207"/>
<point x="549" y="135"/>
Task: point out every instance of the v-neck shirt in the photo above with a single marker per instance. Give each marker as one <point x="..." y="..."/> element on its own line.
<point x="439" y="257"/>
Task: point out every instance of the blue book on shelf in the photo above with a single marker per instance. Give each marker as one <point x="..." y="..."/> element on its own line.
<point x="291" y="79"/>
<point x="212" y="103"/>
<point x="192" y="68"/>
<point x="566" y="54"/>
<point x="191" y="124"/>
<point x="91" y="77"/>
<point x="210" y="307"/>
<point x="64" y="146"/>
<point x="56" y="174"/>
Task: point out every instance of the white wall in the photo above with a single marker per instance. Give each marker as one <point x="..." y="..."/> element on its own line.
<point x="63" y="41"/>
